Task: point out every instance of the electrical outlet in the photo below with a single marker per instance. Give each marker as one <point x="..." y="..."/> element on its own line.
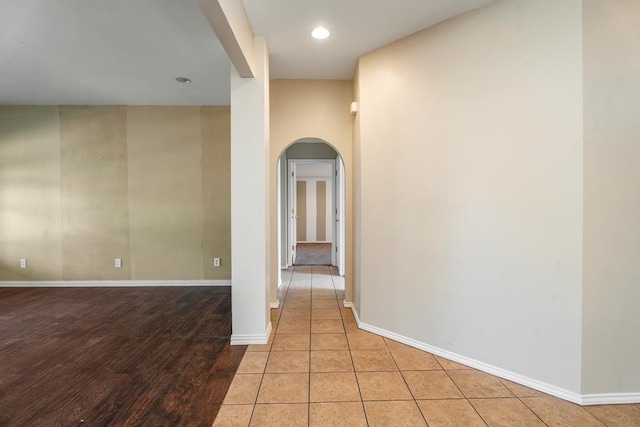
<point x="23" y="263"/>
<point x="216" y="262"/>
<point x="118" y="263"/>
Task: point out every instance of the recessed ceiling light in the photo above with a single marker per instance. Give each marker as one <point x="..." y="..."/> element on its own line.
<point x="183" y="79"/>
<point x="320" y="33"/>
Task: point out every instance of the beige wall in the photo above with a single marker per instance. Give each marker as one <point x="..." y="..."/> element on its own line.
<point x="470" y="188"/>
<point x="216" y="190"/>
<point x="30" y="190"/>
<point x="95" y="211"/>
<point x="356" y="216"/>
<point x="310" y="109"/>
<point x="81" y="186"/>
<point x="611" y="347"/>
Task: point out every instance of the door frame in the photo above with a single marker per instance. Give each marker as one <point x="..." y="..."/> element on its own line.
<point x="292" y="214"/>
<point x="339" y="194"/>
<point x="292" y="209"/>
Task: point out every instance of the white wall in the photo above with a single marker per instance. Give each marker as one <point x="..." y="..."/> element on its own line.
<point x="470" y="158"/>
<point x="250" y="203"/>
<point x="611" y="197"/>
<point x="315" y="169"/>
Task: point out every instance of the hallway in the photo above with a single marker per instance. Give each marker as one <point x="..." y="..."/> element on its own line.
<point x="319" y="369"/>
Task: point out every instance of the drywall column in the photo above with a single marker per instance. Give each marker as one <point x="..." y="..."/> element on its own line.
<point x="610" y="345"/>
<point x="250" y="202"/>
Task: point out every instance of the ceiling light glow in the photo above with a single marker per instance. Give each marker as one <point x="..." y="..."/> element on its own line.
<point x="320" y="33"/>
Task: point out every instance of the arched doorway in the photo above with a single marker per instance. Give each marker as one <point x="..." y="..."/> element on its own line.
<point x="311" y="182"/>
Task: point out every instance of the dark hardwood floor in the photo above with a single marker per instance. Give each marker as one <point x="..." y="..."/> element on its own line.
<point x="115" y="356"/>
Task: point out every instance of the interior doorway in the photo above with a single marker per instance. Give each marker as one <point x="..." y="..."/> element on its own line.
<point x="311" y="195"/>
<point x="311" y="205"/>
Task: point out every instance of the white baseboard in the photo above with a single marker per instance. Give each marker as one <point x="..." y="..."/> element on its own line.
<point x="246" y="339"/>
<point x="111" y="283"/>
<point x="275" y="304"/>
<point x="580" y="399"/>
<point x="348" y="304"/>
<point x="610" y="398"/>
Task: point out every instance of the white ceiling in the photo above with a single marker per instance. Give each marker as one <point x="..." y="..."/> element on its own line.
<point x="357" y="27"/>
<point x="130" y="51"/>
<point x="109" y="52"/>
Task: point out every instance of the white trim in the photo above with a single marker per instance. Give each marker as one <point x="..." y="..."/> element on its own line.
<point x="291" y="202"/>
<point x="275" y="304"/>
<point x="610" y="398"/>
<point x="347" y="304"/>
<point x="316" y="178"/>
<point x="292" y="235"/>
<point x="338" y="249"/>
<point x="580" y="399"/>
<point x="251" y="339"/>
<point x="111" y="283"/>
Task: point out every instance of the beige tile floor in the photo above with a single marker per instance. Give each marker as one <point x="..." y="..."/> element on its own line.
<point x="319" y="369"/>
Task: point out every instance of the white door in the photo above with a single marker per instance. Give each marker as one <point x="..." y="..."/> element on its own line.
<point x="340" y="217"/>
<point x="293" y="216"/>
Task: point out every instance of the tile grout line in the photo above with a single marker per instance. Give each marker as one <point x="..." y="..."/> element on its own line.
<point x="253" y="410"/>
<point x="310" y="336"/>
<point x="461" y="392"/>
<point x="310" y="324"/>
<point x="275" y="331"/>
<point x="603" y="423"/>
<point x="366" y="418"/>
<point x="526" y="406"/>
<point x="395" y="362"/>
